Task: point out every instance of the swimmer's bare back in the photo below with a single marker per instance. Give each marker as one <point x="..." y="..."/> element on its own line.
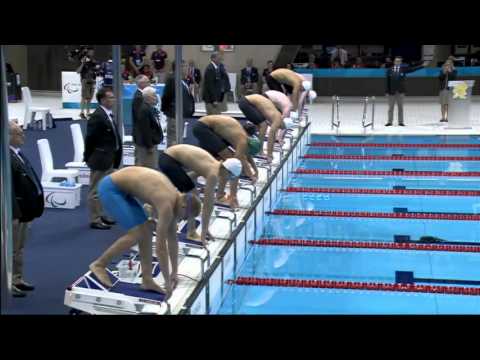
<point x="287" y="76"/>
<point x="266" y="107"/>
<point x="194" y="158"/>
<point x="146" y="184"/>
<point x="227" y="127"/>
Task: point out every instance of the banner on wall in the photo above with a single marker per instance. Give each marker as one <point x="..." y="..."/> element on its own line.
<point x="72" y="90"/>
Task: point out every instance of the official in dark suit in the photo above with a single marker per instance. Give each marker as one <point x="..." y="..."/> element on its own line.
<point x="168" y="104"/>
<point x="147" y="130"/>
<point x="395" y="84"/>
<point x="103" y="153"/>
<point x="28" y="204"/>
<point x="212" y="86"/>
<point x="249" y="79"/>
<point x="226" y="86"/>
<point x="142" y="82"/>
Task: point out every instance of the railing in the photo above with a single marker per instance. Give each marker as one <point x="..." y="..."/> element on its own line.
<point x="226" y="265"/>
<point x="335" y="106"/>
<point x="365" y="111"/>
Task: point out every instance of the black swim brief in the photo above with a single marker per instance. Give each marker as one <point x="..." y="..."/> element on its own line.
<point x="251" y="112"/>
<point x="208" y="139"/>
<point x="175" y="172"/>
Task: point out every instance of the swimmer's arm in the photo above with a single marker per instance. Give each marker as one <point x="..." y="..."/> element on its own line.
<point x="295" y="96"/>
<point x="272" y="135"/>
<point x="252" y="163"/>
<point x="241" y="154"/>
<point x="173" y="249"/>
<point x="165" y="218"/>
<point x="208" y="201"/>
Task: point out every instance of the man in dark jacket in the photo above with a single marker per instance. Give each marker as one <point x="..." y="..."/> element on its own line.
<point x="212" y="86"/>
<point x="396" y="87"/>
<point x="103" y="154"/>
<point x="147" y="130"/>
<point x="28" y="204"/>
<point x="249" y="79"/>
<point x="168" y="103"/>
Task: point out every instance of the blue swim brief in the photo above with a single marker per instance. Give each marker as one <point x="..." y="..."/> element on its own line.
<point x="124" y="208"/>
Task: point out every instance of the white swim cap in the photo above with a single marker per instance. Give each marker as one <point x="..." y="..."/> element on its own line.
<point x="288" y="123"/>
<point x="312" y="94"/>
<point x="307" y="85"/>
<point x="234" y="166"/>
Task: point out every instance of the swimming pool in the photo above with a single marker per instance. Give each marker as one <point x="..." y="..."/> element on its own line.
<point x="369" y="225"/>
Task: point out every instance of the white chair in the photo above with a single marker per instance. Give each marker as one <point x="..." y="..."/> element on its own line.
<point x="126" y="138"/>
<point x="31" y="110"/>
<point x="48" y="172"/>
<point x="233" y="85"/>
<point x="78" y="144"/>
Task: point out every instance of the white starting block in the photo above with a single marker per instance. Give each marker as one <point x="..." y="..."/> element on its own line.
<point x="61" y="197"/>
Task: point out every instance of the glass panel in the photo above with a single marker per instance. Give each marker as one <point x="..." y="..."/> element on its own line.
<point x="199" y="305"/>
<point x="215" y="285"/>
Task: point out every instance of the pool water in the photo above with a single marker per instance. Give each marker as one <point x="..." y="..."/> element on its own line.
<point x="444" y="267"/>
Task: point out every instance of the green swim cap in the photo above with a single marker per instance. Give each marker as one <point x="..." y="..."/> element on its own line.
<point x="254" y="145"/>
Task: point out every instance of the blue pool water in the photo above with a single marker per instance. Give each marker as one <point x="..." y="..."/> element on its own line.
<point x="366" y="265"/>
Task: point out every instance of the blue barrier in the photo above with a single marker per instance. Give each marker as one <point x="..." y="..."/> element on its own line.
<point x="380" y="73"/>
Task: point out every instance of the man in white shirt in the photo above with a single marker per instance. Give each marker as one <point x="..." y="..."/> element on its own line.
<point x="341" y="54"/>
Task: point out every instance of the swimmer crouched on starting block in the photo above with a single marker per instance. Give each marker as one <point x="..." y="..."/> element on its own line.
<point x="289" y="82"/>
<point x="178" y="159"/>
<point x="215" y="134"/>
<point x="261" y="111"/>
<point x="118" y="193"/>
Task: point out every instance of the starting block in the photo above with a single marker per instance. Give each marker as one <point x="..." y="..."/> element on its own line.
<point x="61" y="197"/>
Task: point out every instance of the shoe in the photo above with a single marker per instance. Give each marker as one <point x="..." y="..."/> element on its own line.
<point x="99" y="226"/>
<point x="388" y="124"/>
<point x="401" y="124"/>
<point x="24" y="286"/>
<point x="17" y="292"/>
<point x="108" y="220"/>
<point x="443" y="120"/>
<point x="82" y="116"/>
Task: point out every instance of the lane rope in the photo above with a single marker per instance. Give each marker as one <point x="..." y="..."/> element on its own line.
<point x="355" y="285"/>
<point x="388" y="173"/>
<point x="436" y="192"/>
<point x="389" y="145"/>
<point x="392" y="157"/>
<point x="368" y="214"/>
<point x="365" y="245"/>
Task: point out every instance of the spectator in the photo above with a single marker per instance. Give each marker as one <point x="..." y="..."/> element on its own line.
<point x="448" y="73"/>
<point x="336" y="64"/>
<point x="147" y="71"/>
<point x="136" y="59"/>
<point x="88" y="73"/>
<point x="159" y="58"/>
<point x="249" y="79"/>
<point x="106" y="70"/>
<point x="168" y="103"/>
<point x="194" y="77"/>
<point x="27" y="202"/>
<point x="341" y="54"/>
<point x="103" y="153"/>
<point x="388" y="63"/>
<point x="396" y="88"/>
<point x="212" y="86"/>
<point x="265" y="73"/>
<point x="358" y="63"/>
<point x="226" y="87"/>
<point x="147" y="130"/>
<point x="311" y="62"/>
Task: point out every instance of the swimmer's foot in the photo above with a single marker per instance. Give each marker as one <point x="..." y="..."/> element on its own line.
<point x="101" y="274"/>
<point x="152" y="286"/>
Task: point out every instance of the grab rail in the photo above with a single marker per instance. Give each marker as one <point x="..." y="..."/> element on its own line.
<point x="335" y="104"/>
<point x="365" y="110"/>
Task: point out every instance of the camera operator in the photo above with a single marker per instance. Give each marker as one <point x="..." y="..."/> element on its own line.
<point x="88" y="73"/>
<point x="448" y="73"/>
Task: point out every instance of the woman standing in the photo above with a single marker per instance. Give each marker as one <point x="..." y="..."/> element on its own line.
<point x="448" y="73"/>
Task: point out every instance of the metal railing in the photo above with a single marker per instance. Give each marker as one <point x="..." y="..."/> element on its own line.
<point x="251" y="213"/>
<point x="366" y="100"/>
<point x="335" y="106"/>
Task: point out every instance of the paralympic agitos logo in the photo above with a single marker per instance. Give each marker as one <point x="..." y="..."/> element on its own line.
<point x="72" y="88"/>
